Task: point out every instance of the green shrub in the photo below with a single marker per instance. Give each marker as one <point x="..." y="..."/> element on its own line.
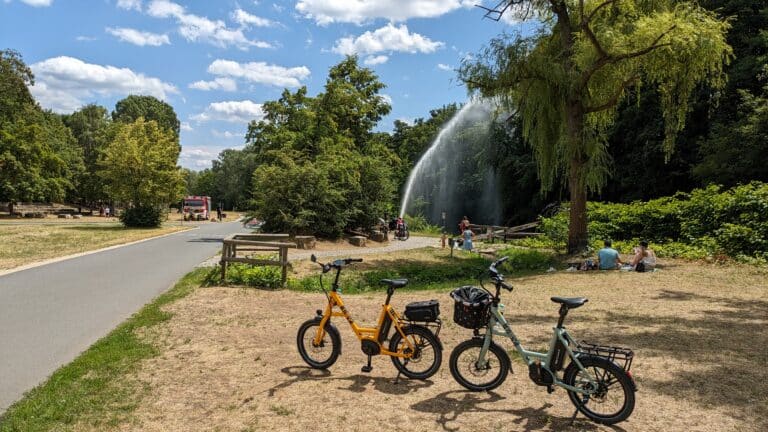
<point x="262" y="277"/>
<point x="419" y="223"/>
<point x="704" y="223"/>
<point x="527" y="259"/>
<point x="142" y="217"/>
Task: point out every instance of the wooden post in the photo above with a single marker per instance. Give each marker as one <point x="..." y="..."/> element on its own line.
<point x="223" y="262"/>
<point x="284" y="263"/>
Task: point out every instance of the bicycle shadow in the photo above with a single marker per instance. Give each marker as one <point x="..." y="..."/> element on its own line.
<point x="453" y="404"/>
<point x="357" y="383"/>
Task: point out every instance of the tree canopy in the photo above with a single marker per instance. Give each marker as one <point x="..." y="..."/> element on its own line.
<point x="132" y="107"/>
<point x="139" y="165"/>
<point x="320" y="166"/>
<point x="567" y="81"/>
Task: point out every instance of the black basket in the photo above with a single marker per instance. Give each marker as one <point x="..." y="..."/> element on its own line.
<point x="621" y="356"/>
<point x="472" y="307"/>
<point x="425" y="311"/>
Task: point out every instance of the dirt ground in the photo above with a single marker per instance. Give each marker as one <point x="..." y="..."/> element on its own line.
<point x="229" y="360"/>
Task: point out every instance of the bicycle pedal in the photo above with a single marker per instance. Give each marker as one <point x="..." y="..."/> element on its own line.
<point x="366" y="369"/>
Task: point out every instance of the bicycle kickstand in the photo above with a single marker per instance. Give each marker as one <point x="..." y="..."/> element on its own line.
<point x="367" y="368"/>
<point x="573" y="418"/>
<point x="575" y="413"/>
<point x="397" y="378"/>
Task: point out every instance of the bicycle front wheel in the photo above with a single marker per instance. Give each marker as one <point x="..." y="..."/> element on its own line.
<point x="470" y="373"/>
<point x="425" y="358"/>
<point x="324" y="354"/>
<point x="614" y="398"/>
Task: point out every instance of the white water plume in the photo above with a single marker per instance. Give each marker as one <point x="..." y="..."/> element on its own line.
<point x="451" y="177"/>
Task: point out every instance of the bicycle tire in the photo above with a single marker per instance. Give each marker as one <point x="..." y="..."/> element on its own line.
<point x="463" y="369"/>
<point x="425" y="341"/>
<point x="605" y="382"/>
<point x="331" y="334"/>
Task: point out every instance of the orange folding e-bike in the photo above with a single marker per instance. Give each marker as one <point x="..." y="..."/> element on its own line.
<point x="415" y="349"/>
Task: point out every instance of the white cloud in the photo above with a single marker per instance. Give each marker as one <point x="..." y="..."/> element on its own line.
<point x="329" y="11"/>
<point x="38" y="3"/>
<point x="186" y="127"/>
<point x="196" y="157"/>
<point x="387" y="98"/>
<point x="129" y="4"/>
<point x="444" y="67"/>
<point x="260" y="72"/>
<point x="221" y="83"/>
<point x="374" y="60"/>
<point x="85" y="38"/>
<point x="196" y="28"/>
<point x="231" y="111"/>
<point x="245" y="19"/>
<point x="385" y="39"/>
<point x="137" y="37"/>
<point x="226" y="134"/>
<point x="63" y="84"/>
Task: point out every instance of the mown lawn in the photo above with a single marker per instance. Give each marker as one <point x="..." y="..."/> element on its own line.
<point x="25" y="244"/>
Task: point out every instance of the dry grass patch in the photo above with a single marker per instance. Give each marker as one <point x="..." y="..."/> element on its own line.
<point x="229" y="360"/>
<point x="25" y="244"/>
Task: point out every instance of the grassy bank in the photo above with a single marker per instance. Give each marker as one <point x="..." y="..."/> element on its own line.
<point x="93" y="390"/>
<point x="25" y="244"/>
<point x="425" y="269"/>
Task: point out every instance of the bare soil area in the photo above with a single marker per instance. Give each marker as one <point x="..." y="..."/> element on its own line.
<point x="229" y="360"/>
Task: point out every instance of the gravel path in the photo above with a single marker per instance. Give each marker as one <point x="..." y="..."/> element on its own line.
<point x="351" y="251"/>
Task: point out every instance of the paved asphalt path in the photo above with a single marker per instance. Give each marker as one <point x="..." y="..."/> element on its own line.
<point x="50" y="314"/>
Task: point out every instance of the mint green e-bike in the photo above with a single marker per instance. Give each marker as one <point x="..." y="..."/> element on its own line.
<point x="597" y="379"/>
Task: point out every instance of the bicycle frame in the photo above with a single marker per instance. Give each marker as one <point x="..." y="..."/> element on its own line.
<point x="370" y="333"/>
<point x="530" y="357"/>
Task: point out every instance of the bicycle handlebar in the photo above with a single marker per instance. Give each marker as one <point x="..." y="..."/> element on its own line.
<point x="336" y="264"/>
<point x="497" y="277"/>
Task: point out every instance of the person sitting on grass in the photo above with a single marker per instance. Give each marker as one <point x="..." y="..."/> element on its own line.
<point x="608" y="257"/>
<point x="644" y="259"/>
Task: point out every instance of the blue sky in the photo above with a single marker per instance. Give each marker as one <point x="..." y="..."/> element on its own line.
<point x="216" y="62"/>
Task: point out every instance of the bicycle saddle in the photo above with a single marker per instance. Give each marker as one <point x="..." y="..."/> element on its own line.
<point x="570" y="302"/>
<point x="395" y="283"/>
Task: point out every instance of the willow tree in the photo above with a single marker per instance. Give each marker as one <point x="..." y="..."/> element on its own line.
<point x="567" y="80"/>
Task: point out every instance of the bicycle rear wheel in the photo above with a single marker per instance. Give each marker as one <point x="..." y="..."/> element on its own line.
<point x="467" y="370"/>
<point x="425" y="360"/>
<point x="614" y="399"/>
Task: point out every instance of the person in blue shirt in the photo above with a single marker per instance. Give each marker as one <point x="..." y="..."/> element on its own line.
<point x="608" y="257"/>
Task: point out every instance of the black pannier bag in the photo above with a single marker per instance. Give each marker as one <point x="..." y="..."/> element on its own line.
<point x="471" y="308"/>
<point x="423" y="311"/>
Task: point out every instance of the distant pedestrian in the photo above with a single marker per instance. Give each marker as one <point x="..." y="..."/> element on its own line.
<point x="468" y="237"/>
<point x="106" y="211"/>
<point x="218" y="213"/>
<point x="464" y="225"/>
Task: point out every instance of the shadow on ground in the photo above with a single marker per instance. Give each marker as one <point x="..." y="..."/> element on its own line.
<point x="724" y="349"/>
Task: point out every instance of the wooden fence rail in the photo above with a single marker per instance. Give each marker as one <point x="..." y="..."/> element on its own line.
<point x="503" y="232"/>
<point x="239" y="243"/>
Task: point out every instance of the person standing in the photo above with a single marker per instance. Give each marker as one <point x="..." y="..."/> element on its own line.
<point x="608" y="257"/>
<point x="218" y="212"/>
<point x="468" y="237"/>
<point x="463" y="225"/>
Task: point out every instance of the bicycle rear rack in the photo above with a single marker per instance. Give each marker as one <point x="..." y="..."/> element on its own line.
<point x="621" y="356"/>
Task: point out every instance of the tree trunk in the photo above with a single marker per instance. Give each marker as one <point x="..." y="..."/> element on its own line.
<point x="577" y="226"/>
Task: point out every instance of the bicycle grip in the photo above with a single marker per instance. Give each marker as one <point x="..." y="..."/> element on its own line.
<point x="506" y="286"/>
